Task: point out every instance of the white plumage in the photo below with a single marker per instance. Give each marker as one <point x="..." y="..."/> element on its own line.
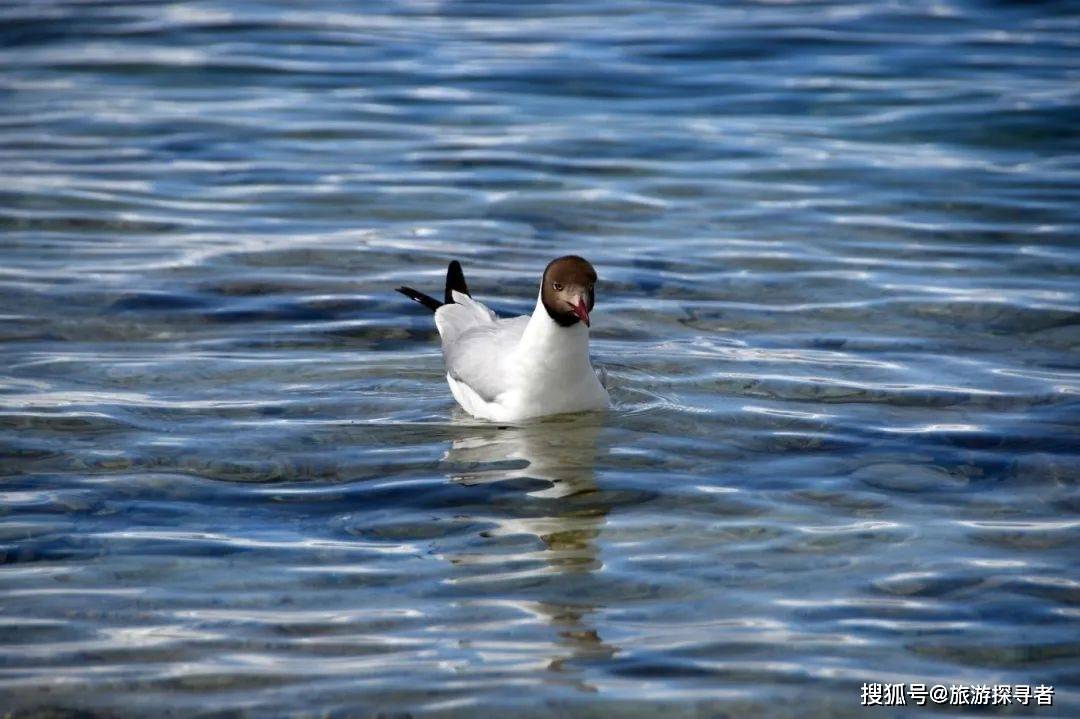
<point x="518" y="368"/>
<point x="508" y="370"/>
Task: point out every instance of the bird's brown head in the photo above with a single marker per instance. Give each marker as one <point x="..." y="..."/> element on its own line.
<point x="568" y="290"/>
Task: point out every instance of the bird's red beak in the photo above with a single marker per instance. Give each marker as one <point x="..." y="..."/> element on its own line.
<point x="581" y="311"/>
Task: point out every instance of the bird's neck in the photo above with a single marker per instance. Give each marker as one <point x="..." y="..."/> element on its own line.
<point x="553" y="344"/>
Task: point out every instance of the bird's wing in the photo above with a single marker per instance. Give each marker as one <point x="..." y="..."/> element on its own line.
<point x="479" y="356"/>
<point x="463" y="314"/>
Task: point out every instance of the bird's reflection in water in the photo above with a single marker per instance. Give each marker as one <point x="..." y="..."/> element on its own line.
<point x="559" y="504"/>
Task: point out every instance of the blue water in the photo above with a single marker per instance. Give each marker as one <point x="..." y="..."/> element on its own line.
<point x="839" y="306"/>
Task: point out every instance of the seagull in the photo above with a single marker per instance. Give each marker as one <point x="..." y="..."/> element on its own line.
<point x="518" y="368"/>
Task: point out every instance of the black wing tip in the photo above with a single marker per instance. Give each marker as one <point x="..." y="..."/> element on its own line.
<point x="455" y="282"/>
<point x="415" y="295"/>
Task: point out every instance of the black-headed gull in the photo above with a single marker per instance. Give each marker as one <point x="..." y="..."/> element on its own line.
<point x="521" y="367"/>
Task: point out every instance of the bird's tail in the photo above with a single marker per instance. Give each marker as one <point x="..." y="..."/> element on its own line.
<point x="455" y="282"/>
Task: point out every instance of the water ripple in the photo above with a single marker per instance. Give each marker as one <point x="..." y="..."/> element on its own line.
<point x="838" y="307"/>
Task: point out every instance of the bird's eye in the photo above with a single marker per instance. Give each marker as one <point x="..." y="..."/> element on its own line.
<point x="556" y="286"/>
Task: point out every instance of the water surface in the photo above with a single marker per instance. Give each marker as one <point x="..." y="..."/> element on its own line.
<point x="838" y="306"/>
